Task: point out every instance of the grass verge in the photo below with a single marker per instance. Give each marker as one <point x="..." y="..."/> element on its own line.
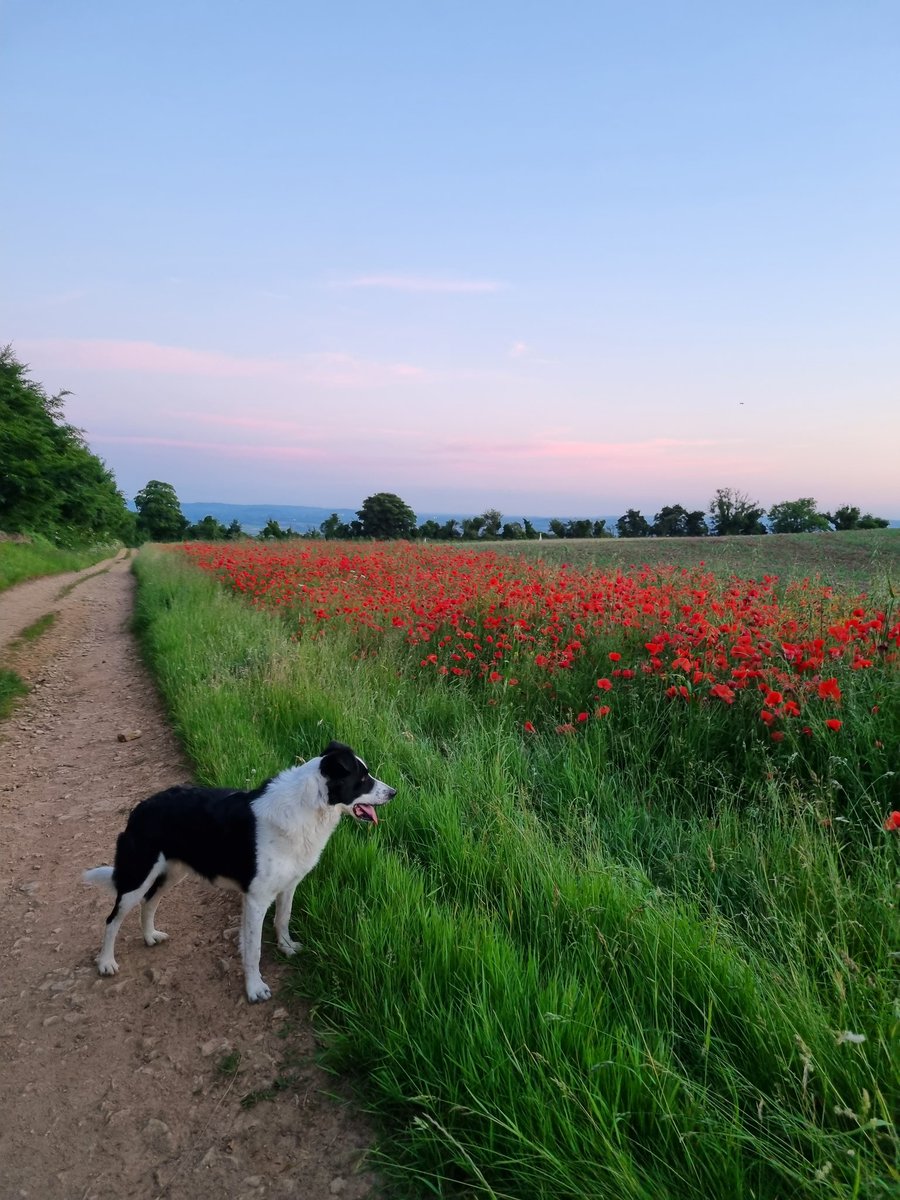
<point x="30" y="560"/>
<point x="549" y="979"/>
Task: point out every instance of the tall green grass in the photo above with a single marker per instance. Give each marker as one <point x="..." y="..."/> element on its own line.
<point x="30" y="560"/>
<point x="552" y="977"/>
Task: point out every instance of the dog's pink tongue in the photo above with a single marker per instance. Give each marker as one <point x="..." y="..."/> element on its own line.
<point x="365" y="812"/>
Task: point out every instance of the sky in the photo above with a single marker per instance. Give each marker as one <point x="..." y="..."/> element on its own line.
<point x="553" y="258"/>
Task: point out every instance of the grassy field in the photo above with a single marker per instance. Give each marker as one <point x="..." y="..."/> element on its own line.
<point x="29" y="560"/>
<point x="857" y="561"/>
<point x="646" y="952"/>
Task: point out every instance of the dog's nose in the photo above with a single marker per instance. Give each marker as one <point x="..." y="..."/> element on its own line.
<point x="391" y="793"/>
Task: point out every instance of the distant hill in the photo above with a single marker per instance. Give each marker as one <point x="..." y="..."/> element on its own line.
<point x="303" y="518"/>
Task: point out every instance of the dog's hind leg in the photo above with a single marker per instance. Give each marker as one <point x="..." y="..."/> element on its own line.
<point x="125" y="902"/>
<point x="284" y="903"/>
<point x="251" y="946"/>
<point x="173" y="874"/>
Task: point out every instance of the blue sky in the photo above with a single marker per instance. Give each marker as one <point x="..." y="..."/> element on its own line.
<point x="558" y="258"/>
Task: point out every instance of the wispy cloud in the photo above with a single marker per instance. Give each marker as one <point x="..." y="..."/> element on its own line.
<point x="326" y="369"/>
<point x="424" y="283"/>
<point x="225" y="449"/>
<point x="518" y="350"/>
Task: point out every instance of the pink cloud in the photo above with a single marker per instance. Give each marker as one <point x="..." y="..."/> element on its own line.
<point x="150" y="358"/>
<point x="223" y="449"/>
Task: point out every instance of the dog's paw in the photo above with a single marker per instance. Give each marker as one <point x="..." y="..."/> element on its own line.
<point x="155" y="936"/>
<point x="259" y="991"/>
<point x="288" y="946"/>
<point x="107" y="966"/>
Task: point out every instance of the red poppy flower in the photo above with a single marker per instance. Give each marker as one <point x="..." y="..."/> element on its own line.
<point x="529" y="728"/>
<point x="833" y="723"/>
<point x="722" y="691"/>
<point x="603" y="710"/>
<point x="829" y="690"/>
<point x="776" y="735"/>
<point x="614" y="656"/>
<point x="892" y="821"/>
<point x="582" y="716"/>
<point x="605" y="685"/>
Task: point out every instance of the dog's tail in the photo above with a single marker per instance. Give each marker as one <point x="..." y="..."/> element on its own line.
<point x="102" y="876"/>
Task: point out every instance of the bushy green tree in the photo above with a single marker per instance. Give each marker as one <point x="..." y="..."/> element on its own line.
<point x="50" y="482"/>
<point x="797" y="516"/>
<point x="209" y="529"/>
<point x="849" y="517"/>
<point x="471" y="527"/>
<point x="160" y="518"/>
<point x="333" y="528"/>
<point x="675" y="521"/>
<point x="492" y="520"/>
<point x="385" y="516"/>
<point x="272" y="530"/>
<point x="633" y="525"/>
<point x="733" y="512"/>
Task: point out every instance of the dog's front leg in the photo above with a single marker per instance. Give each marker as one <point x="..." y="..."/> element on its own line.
<point x="251" y="944"/>
<point x="284" y="903"/>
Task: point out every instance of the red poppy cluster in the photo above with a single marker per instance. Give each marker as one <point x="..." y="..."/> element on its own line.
<point x="499" y="620"/>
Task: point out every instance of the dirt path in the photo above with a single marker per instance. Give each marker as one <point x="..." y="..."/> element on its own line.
<point x="132" y="1087"/>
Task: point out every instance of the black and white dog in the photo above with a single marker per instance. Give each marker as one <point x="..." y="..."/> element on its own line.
<point x="261" y="842"/>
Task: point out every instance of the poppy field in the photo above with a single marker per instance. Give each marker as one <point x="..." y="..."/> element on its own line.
<point x="630" y="926"/>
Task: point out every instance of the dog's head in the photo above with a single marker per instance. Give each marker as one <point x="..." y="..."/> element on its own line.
<point x="350" y="785"/>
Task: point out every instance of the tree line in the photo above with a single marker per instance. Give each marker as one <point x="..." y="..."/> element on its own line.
<point x="386" y="516"/>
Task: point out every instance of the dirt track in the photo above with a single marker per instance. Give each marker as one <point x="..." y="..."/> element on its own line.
<point x="126" y="1087"/>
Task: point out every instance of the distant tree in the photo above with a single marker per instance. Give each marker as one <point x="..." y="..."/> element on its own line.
<point x="160" y="518"/>
<point x="471" y="527"/>
<point x="848" y="517"/>
<point x="530" y="531"/>
<point x="493" y="519"/>
<point x="797" y="516"/>
<point x="234" y="531"/>
<point x="513" y="531"/>
<point x="675" y="521"/>
<point x="733" y="512"/>
<point x="867" y="521"/>
<point x="430" y="529"/>
<point x="557" y="527"/>
<point x="633" y="525"/>
<point x="599" y="529"/>
<point x="449" y="530"/>
<point x="272" y="530"/>
<point x="333" y="527"/>
<point x="581" y="527"/>
<point x="50" y="482"/>
<point x="207" y="530"/>
<point x="385" y="516"/>
<point x="695" y="524"/>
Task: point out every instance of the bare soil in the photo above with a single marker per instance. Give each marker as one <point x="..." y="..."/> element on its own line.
<point x="163" y="1082"/>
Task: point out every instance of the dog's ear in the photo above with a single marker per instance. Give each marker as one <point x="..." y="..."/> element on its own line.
<point x="338" y="760"/>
